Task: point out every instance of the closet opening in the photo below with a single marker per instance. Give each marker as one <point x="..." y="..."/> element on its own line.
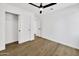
<point x="11" y="29"/>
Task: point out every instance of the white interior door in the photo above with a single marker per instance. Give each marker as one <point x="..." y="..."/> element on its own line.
<point x="24" y="28"/>
<point x="11" y="28"/>
<point x="33" y="27"/>
<point x="39" y="25"/>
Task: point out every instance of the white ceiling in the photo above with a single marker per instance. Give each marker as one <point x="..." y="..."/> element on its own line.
<point x="34" y="9"/>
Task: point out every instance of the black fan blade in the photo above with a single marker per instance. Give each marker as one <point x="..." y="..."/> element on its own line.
<point x="49" y="5"/>
<point x="34" y="5"/>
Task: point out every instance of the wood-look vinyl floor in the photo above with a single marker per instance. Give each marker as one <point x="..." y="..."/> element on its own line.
<point x="39" y="47"/>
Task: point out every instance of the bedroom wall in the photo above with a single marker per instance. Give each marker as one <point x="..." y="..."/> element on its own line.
<point x="62" y="26"/>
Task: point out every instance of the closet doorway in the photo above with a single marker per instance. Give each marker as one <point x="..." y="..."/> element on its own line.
<point x="11" y="30"/>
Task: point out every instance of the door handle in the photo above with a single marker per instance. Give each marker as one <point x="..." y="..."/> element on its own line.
<point x="29" y="29"/>
<point x="19" y="30"/>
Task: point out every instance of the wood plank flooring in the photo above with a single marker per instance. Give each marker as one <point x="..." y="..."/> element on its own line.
<point x="39" y="47"/>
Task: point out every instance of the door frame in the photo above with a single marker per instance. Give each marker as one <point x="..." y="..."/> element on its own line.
<point x="17" y="26"/>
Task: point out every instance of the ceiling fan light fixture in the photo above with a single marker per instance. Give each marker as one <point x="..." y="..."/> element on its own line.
<point x="41" y="9"/>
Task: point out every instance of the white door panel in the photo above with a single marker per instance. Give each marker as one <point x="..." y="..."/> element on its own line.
<point x="33" y="27"/>
<point x="11" y="28"/>
<point x="24" y="28"/>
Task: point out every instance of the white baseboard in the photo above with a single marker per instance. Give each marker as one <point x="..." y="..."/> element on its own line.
<point x="26" y="41"/>
<point x="60" y="42"/>
<point x="2" y="48"/>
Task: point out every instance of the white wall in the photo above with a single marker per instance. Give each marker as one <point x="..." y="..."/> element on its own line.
<point x="24" y="15"/>
<point x="62" y="26"/>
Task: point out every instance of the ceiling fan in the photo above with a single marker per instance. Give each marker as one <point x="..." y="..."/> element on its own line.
<point x="42" y="7"/>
